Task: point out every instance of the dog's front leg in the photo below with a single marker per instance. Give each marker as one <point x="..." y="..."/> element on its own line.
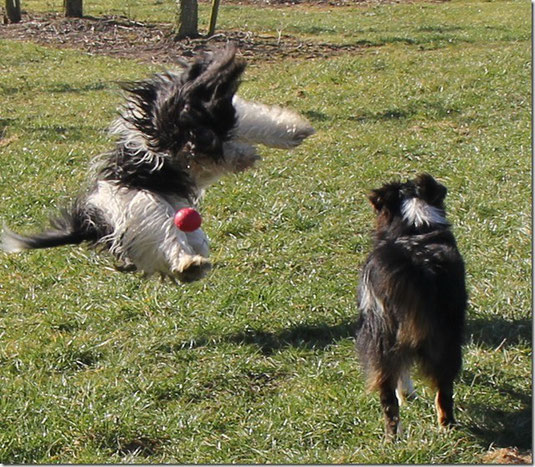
<point x="183" y="254"/>
<point x="193" y="266"/>
<point x="269" y="125"/>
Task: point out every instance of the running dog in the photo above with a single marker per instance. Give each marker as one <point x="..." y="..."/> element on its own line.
<point x="176" y="134"/>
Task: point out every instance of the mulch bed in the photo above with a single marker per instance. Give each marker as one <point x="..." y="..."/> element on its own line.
<point x="120" y="37"/>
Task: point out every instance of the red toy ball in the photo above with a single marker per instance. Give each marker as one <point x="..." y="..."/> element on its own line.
<point x="187" y="219"/>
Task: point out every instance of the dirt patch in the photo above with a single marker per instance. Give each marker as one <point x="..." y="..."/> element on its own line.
<point x="508" y="456"/>
<point x="120" y="37"/>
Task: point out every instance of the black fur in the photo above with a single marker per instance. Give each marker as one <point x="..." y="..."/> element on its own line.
<point x="131" y="169"/>
<point x="412" y="299"/>
<point x="71" y="227"/>
<point x="190" y="113"/>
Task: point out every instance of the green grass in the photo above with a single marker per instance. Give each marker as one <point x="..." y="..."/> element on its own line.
<point x="256" y="363"/>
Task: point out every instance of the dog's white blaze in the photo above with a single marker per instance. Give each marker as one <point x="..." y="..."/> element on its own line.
<point x="417" y="212"/>
<point x="144" y="232"/>
<point x="269" y="125"/>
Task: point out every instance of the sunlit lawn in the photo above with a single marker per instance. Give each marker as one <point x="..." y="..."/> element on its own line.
<point x="256" y="363"/>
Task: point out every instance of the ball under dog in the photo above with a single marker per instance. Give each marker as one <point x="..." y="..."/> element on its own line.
<point x="187" y="219"/>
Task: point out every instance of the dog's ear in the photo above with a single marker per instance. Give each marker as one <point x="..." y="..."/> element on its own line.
<point x="430" y="190"/>
<point x="386" y="198"/>
<point x="376" y="198"/>
<point x="192" y="110"/>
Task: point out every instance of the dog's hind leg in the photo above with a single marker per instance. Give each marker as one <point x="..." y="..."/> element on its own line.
<point x="444" y="404"/>
<point x="442" y="375"/>
<point x="390" y="405"/>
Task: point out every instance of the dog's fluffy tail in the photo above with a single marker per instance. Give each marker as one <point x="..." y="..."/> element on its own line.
<point x="12" y="242"/>
<point x="71" y="228"/>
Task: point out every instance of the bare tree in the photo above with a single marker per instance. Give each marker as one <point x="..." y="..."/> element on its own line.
<point x="13" y="12"/>
<point x="73" y="8"/>
<point x="187" y="19"/>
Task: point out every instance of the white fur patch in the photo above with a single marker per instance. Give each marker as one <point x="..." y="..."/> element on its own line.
<point x="368" y="301"/>
<point x="272" y="126"/>
<point x="144" y="232"/>
<point x="10" y="243"/>
<point x="417" y="212"/>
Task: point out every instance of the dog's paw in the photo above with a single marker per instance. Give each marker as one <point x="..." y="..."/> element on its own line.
<point x="298" y="135"/>
<point x="125" y="266"/>
<point x="192" y="268"/>
<point x="446" y="424"/>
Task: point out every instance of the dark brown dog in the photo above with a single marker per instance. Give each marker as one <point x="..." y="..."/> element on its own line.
<point x="412" y="297"/>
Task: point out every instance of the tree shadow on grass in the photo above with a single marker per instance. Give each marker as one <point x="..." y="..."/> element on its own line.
<point x="431" y="109"/>
<point x="306" y="336"/>
<point x="62" y="87"/>
<point x="499" y="332"/>
<point x="55" y="133"/>
<point x="494" y="425"/>
<point x="499" y="427"/>
<point x="491" y="425"/>
<point x="4" y="123"/>
<point x="316" y="116"/>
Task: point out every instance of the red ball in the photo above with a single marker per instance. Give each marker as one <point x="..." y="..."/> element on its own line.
<point x="187" y="219"/>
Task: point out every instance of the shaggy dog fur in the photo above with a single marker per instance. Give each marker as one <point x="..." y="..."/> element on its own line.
<point x="176" y="134"/>
<point x="412" y="297"/>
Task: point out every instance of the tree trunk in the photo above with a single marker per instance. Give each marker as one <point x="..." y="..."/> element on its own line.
<point x="13" y="13"/>
<point x="187" y="19"/>
<point x="213" y="17"/>
<point x="73" y="8"/>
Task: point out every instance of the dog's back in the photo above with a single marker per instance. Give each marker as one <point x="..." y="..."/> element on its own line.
<point x="411" y="295"/>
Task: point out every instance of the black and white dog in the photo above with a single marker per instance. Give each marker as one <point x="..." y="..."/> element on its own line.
<point x="177" y="133"/>
<point x="412" y="297"/>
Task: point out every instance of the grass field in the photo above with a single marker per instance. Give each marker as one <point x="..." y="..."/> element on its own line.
<point x="256" y="363"/>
